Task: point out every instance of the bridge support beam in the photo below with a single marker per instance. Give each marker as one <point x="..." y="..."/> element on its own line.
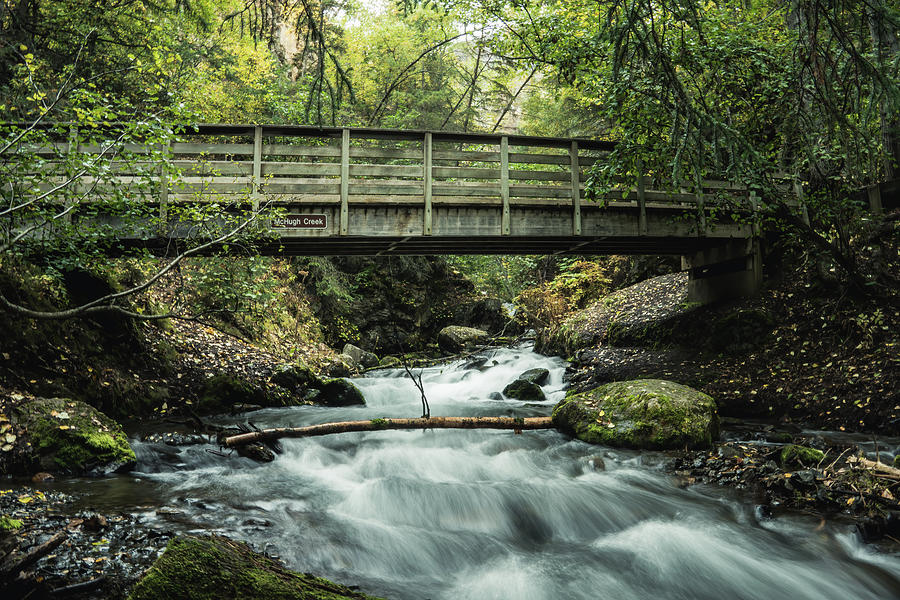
<point x="733" y="270"/>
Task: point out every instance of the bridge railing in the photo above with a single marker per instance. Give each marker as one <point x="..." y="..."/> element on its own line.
<point x="298" y="165"/>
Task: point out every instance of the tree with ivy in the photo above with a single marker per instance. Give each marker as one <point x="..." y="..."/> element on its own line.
<point x="65" y="206"/>
<point x="803" y="89"/>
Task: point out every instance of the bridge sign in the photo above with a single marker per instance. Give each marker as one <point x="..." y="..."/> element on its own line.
<point x="300" y="222"/>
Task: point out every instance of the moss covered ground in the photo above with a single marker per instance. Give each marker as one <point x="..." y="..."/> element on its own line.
<point x="218" y="568"/>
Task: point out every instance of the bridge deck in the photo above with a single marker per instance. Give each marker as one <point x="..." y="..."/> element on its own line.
<point x="369" y="191"/>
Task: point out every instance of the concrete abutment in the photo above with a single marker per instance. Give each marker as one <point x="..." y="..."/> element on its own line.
<point x="732" y="270"/>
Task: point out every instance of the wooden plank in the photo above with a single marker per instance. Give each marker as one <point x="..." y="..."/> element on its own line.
<point x="314" y="198"/>
<point x="274" y="187"/>
<point x="576" y="189"/>
<point x="385" y="170"/>
<point x="540" y="191"/>
<point x="447" y="199"/>
<point x="345" y="181"/>
<point x="427" y="167"/>
<point x="522" y="175"/>
<point x="216" y="149"/>
<point x="466" y="155"/>
<point x="393" y="153"/>
<point x="301" y="150"/>
<point x="301" y="168"/>
<point x="413" y="188"/>
<point x="465" y="173"/>
<point x="539" y="159"/>
<point x="219" y="167"/>
<point x="504" y="185"/>
<point x="211" y="187"/>
<point x="457" y="189"/>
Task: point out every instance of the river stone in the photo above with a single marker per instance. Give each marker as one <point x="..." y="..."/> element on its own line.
<point x="342" y="366"/>
<point x="538" y="376"/>
<point x="225" y="569"/>
<point x="70" y="436"/>
<point x="524" y="390"/>
<point x="257" y="452"/>
<point x="223" y="392"/>
<point x="361" y="357"/>
<point x="389" y="362"/>
<point x="645" y="413"/>
<point x="295" y="377"/>
<point x="340" y="392"/>
<point x="454" y="338"/>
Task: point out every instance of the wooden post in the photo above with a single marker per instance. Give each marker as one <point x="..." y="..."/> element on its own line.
<point x="71" y="150"/>
<point x="345" y="181"/>
<point x="874" y="194"/>
<point x="504" y="184"/>
<point x="642" y="199"/>
<point x="798" y="191"/>
<point x="754" y="205"/>
<point x="164" y="192"/>
<point x="427" y="181"/>
<point x="257" y="167"/>
<point x="701" y="206"/>
<point x="576" y="189"/>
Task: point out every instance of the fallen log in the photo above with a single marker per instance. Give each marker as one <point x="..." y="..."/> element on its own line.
<point x="266" y="435"/>
<point x="17" y="563"/>
<point x="878" y="467"/>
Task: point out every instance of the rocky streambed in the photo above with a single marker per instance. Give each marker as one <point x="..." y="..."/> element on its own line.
<point x="479" y="514"/>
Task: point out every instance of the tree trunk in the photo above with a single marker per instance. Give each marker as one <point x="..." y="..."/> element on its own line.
<point x="267" y="435"/>
<point x="886" y="44"/>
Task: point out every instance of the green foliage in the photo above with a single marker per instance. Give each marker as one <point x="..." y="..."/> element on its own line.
<point x="735" y="90"/>
<point x="240" y="290"/>
<point x="498" y="276"/>
<point x="9" y="524"/>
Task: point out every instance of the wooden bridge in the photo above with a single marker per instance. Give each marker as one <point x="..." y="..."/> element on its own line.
<point x="379" y="192"/>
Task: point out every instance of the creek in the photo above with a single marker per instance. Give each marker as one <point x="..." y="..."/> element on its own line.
<point x="489" y="514"/>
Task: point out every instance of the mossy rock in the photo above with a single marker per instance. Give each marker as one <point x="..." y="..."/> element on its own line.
<point x="644" y="413"/>
<point x="521" y="389"/>
<point x="295" y="377"/>
<point x="220" y="392"/>
<point x="70" y="436"/>
<point x="363" y="358"/>
<point x="218" y="568"/>
<point x="340" y="392"/>
<point x="454" y="338"/>
<point x="803" y="456"/>
<point x="390" y="362"/>
<point x="538" y="376"/>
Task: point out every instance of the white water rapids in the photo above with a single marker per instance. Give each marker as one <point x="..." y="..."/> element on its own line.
<point x="494" y="515"/>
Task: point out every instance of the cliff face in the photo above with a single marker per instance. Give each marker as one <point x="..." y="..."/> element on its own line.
<point x="396" y="304"/>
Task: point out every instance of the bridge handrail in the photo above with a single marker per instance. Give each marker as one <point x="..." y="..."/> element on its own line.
<point x="294" y="175"/>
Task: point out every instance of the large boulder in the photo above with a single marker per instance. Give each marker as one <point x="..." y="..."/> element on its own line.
<point x="520" y="389"/>
<point x="644" y="413"/>
<point x="222" y="392"/>
<point x="484" y="313"/>
<point x="340" y="392"/>
<point x="365" y="359"/>
<point x="59" y="435"/>
<point x="194" y="568"/>
<point x="538" y="376"/>
<point x="455" y="338"/>
<point x="343" y="365"/>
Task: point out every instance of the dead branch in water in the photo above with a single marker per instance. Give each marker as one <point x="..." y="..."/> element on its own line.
<point x="383" y="424"/>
